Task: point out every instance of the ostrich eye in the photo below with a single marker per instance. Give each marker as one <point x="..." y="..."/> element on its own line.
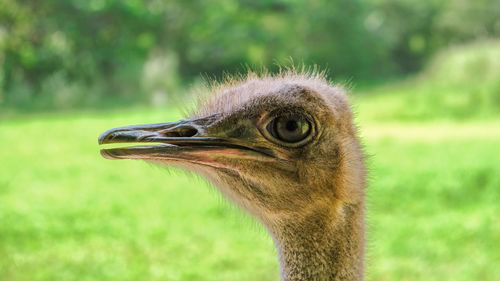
<point x="289" y="129"/>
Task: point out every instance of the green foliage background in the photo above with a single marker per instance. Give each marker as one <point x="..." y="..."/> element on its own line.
<point x="425" y="88"/>
<point x="87" y="53"/>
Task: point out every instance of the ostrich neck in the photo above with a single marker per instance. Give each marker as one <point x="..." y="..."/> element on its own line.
<point x="319" y="247"/>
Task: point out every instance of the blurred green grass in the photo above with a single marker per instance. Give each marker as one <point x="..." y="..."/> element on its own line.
<point x="68" y="214"/>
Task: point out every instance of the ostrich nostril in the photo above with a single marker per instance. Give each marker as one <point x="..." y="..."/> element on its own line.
<point x="182" y="132"/>
<point x="187" y="131"/>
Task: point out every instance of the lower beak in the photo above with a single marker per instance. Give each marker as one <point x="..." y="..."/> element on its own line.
<point x="184" y="140"/>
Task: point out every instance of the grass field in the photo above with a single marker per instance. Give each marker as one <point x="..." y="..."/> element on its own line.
<point x="68" y="214"/>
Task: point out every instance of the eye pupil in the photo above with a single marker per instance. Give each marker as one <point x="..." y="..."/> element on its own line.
<point x="291" y="125"/>
<point x="289" y="129"/>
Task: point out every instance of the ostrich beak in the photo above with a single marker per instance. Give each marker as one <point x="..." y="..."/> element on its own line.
<point x="185" y="140"/>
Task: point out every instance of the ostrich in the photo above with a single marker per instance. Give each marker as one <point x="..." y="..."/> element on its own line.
<point x="284" y="148"/>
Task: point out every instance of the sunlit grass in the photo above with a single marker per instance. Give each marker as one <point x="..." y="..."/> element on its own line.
<point x="68" y="214"/>
<point x="433" y="208"/>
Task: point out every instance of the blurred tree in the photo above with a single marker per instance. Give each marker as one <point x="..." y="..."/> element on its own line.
<point x="69" y="53"/>
<point x="415" y="30"/>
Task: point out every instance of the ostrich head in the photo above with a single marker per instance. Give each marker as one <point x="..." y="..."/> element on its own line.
<point x="282" y="147"/>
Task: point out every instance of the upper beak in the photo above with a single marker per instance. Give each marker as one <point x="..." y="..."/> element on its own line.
<point x="185" y="140"/>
